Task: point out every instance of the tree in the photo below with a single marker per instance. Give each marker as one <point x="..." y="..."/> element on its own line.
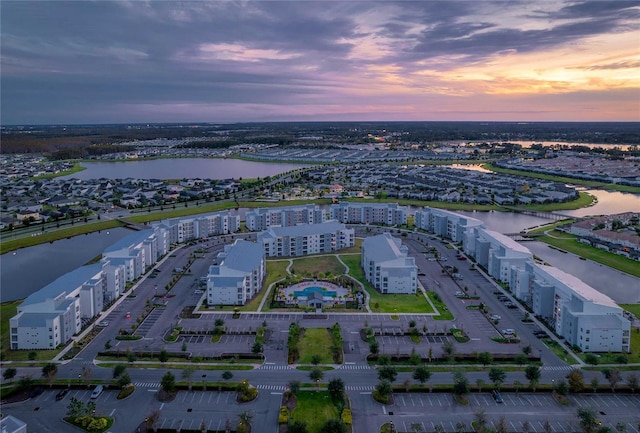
<point x="168" y="382"/>
<point x="374" y="348"/>
<point x="422" y="374"/>
<point x="124" y="380"/>
<point x="520" y="359"/>
<point x="561" y="387"/>
<point x="256" y="348"/>
<point x="336" y="388"/>
<point x="315" y="359"/>
<point x="460" y="383"/>
<point x="107" y="345"/>
<point x="316" y="375"/>
<point x="187" y="373"/>
<point x="384" y="360"/>
<point x="547" y="427"/>
<point x="532" y="373"/>
<point x="227" y="375"/>
<point x="448" y="348"/>
<point x="86" y="374"/>
<point x="501" y="426"/>
<point x="298" y="427"/>
<point x="294" y="387"/>
<point x="49" y="372"/>
<point x="587" y="419"/>
<point x="575" y="380"/>
<point x="333" y="426"/>
<point x="163" y="356"/>
<point x="244" y="421"/>
<point x="632" y="381"/>
<point x="497" y="376"/>
<point x="461" y="427"/>
<point x="613" y="376"/>
<point x="485" y="358"/>
<point x="594" y="384"/>
<point x="9" y="373"/>
<point x="384" y="388"/>
<point x="118" y="370"/>
<point x="480" y="420"/>
<point x="387" y="372"/>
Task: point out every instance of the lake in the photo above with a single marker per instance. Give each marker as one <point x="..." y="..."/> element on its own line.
<point x="181" y="168"/>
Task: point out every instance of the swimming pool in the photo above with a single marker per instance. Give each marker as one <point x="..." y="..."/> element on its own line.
<point x="309" y="290"/>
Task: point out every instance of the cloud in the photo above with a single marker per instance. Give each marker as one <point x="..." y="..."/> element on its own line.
<point x="78" y="60"/>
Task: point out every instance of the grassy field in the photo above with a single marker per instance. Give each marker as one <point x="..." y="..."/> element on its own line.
<point x="445" y="314"/>
<point x="389" y="303"/>
<point x="568" y="242"/>
<point x="56" y="234"/>
<point x="315" y="341"/>
<point x="314" y="408"/>
<point x="632" y="308"/>
<point x="319" y="264"/>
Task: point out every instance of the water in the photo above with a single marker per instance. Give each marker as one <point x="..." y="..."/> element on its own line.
<point x="609" y="202"/>
<point x="182" y="168"/>
<point x="27" y="270"/>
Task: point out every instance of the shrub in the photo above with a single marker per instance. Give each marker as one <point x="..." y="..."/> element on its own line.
<point x="126" y="391"/>
<point x="346" y="416"/>
<point x="283" y="417"/>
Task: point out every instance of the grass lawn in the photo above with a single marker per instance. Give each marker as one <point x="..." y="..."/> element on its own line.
<point x="632" y="308"/>
<point x="315" y="341"/>
<point x="569" y="243"/>
<point x="560" y="351"/>
<point x="389" y="303"/>
<point x="314" y="408"/>
<point x="318" y="264"/>
<point x="445" y="314"/>
<point x="53" y="234"/>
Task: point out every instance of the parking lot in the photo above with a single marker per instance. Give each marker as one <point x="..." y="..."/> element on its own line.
<point x="537" y="412"/>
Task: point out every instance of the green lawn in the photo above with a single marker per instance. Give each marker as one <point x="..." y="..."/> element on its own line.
<point x="445" y="314"/>
<point x="7" y="311"/>
<point x="632" y="308"/>
<point x="386" y="303"/>
<point x="318" y="264"/>
<point x="569" y="243"/>
<point x="315" y="341"/>
<point x="314" y="408"/>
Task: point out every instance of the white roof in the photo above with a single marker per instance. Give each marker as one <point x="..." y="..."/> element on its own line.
<point x="506" y="241"/>
<point x="579" y="287"/>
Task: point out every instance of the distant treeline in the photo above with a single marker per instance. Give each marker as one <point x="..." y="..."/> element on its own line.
<point x="87" y="152"/>
<point x="56" y="138"/>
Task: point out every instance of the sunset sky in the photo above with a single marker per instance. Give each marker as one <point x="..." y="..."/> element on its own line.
<point x="223" y="61"/>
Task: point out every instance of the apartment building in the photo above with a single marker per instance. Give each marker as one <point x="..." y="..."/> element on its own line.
<point x="264" y="218"/>
<point x="445" y="223"/>
<point x="237" y="277"/>
<point x="369" y="213"/>
<point x="304" y="239"/>
<point x="575" y="311"/>
<point x="387" y="266"/>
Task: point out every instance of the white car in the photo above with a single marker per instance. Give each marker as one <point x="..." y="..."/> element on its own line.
<point x="508" y="331"/>
<point x="495" y="317"/>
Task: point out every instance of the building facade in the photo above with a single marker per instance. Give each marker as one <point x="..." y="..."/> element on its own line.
<point x="387" y="266"/>
<point x="237" y="277"/>
<point x="305" y="239"/>
<point x="264" y="218"/>
<point x="574" y="310"/>
<point x="369" y="213"/>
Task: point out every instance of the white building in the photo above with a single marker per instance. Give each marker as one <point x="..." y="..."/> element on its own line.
<point x="445" y="223"/>
<point x="263" y="218"/>
<point x="52" y="315"/>
<point x="305" y="239"/>
<point x="238" y="275"/>
<point x="387" y="266"/>
<point x="369" y="213"/>
<point x="202" y="226"/>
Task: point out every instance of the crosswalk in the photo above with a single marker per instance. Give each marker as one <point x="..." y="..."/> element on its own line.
<point x="273" y="367"/>
<point x="147" y="384"/>
<point x="272" y="387"/>
<point x="360" y="388"/>
<point x="354" y="367"/>
<point x="558" y="368"/>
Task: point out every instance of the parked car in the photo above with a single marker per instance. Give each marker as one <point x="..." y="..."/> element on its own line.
<point x="496" y="396"/>
<point x="96" y="392"/>
<point x="495" y="317"/>
<point x="508" y="331"/>
<point x="61" y="394"/>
